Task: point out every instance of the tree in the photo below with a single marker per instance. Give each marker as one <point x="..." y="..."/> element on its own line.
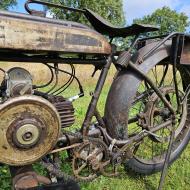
<point x="168" y="20"/>
<point x="110" y="9"/>
<point x="5" y="4"/>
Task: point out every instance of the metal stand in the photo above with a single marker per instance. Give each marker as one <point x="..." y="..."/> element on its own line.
<point x="168" y="154"/>
<point x="177" y="43"/>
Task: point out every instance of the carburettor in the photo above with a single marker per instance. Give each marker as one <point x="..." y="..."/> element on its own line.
<point x="17" y="82"/>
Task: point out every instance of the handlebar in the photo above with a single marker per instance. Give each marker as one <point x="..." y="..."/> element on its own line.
<point x="42" y="13"/>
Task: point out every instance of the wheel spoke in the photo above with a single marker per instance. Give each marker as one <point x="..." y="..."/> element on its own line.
<point x="152" y="149"/>
<point x="81" y="168"/>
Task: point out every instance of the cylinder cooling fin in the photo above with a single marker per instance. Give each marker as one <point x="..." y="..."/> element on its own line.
<point x="65" y="109"/>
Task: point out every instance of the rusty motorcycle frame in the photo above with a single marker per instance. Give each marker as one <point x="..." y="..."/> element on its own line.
<point x="33" y="122"/>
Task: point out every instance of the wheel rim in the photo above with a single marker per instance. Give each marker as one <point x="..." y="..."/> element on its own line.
<point x="149" y="151"/>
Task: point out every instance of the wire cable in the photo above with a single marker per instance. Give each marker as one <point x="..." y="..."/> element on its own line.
<point x="80" y="86"/>
<point x="49" y="82"/>
<point x="63" y="89"/>
<point x="56" y="82"/>
<point x="70" y="80"/>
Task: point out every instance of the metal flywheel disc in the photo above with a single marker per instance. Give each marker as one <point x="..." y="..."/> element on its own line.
<point x="29" y="129"/>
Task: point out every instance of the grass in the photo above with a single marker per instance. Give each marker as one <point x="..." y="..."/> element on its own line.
<point x="179" y="172"/>
<point x="177" y="179"/>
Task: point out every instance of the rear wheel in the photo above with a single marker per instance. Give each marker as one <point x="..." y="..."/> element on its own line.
<point x="147" y="111"/>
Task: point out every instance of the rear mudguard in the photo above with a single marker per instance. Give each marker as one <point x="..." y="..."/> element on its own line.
<point x="124" y="88"/>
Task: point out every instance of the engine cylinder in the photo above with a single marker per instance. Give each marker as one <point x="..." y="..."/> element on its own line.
<point x="65" y="109"/>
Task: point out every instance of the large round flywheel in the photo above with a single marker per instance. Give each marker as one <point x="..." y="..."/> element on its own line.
<point x="29" y="129"/>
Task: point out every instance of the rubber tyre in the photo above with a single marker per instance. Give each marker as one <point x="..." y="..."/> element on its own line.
<point x="180" y="143"/>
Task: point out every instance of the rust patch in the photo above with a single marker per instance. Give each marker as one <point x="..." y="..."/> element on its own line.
<point x="77" y="39"/>
<point x="185" y="56"/>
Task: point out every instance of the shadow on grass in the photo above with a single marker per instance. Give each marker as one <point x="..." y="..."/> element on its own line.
<point x="147" y="183"/>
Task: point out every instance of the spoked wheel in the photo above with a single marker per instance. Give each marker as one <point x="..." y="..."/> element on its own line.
<point x="148" y="112"/>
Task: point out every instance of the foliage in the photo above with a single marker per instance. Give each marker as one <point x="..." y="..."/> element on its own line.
<point x="168" y="20"/>
<point x="110" y="9"/>
<point x="5" y="4"/>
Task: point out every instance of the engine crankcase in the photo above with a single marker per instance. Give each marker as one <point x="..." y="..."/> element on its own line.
<point x="29" y="129"/>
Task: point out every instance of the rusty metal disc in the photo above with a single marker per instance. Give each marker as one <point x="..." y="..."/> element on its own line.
<point x="88" y="159"/>
<point x="29" y="129"/>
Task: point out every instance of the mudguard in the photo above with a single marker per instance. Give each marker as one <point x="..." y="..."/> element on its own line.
<point x="124" y="88"/>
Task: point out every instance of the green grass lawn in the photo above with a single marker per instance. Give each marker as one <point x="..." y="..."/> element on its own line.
<point x="178" y="177"/>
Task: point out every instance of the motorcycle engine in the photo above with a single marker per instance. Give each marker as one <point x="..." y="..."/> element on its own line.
<point x="29" y="124"/>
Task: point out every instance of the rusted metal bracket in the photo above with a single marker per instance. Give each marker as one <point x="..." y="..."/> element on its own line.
<point x="185" y="55"/>
<point x="172" y="35"/>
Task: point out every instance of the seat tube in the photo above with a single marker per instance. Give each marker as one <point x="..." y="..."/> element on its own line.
<point x="95" y="97"/>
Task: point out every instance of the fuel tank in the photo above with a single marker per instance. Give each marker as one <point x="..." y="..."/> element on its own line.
<point x="36" y="34"/>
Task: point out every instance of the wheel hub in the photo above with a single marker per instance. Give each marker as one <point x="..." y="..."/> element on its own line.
<point x="157" y="112"/>
<point x="27" y="135"/>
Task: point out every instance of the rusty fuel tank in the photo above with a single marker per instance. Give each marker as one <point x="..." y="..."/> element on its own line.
<point x="36" y="34"/>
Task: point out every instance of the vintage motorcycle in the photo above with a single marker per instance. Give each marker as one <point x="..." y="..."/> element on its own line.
<point x="147" y="101"/>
